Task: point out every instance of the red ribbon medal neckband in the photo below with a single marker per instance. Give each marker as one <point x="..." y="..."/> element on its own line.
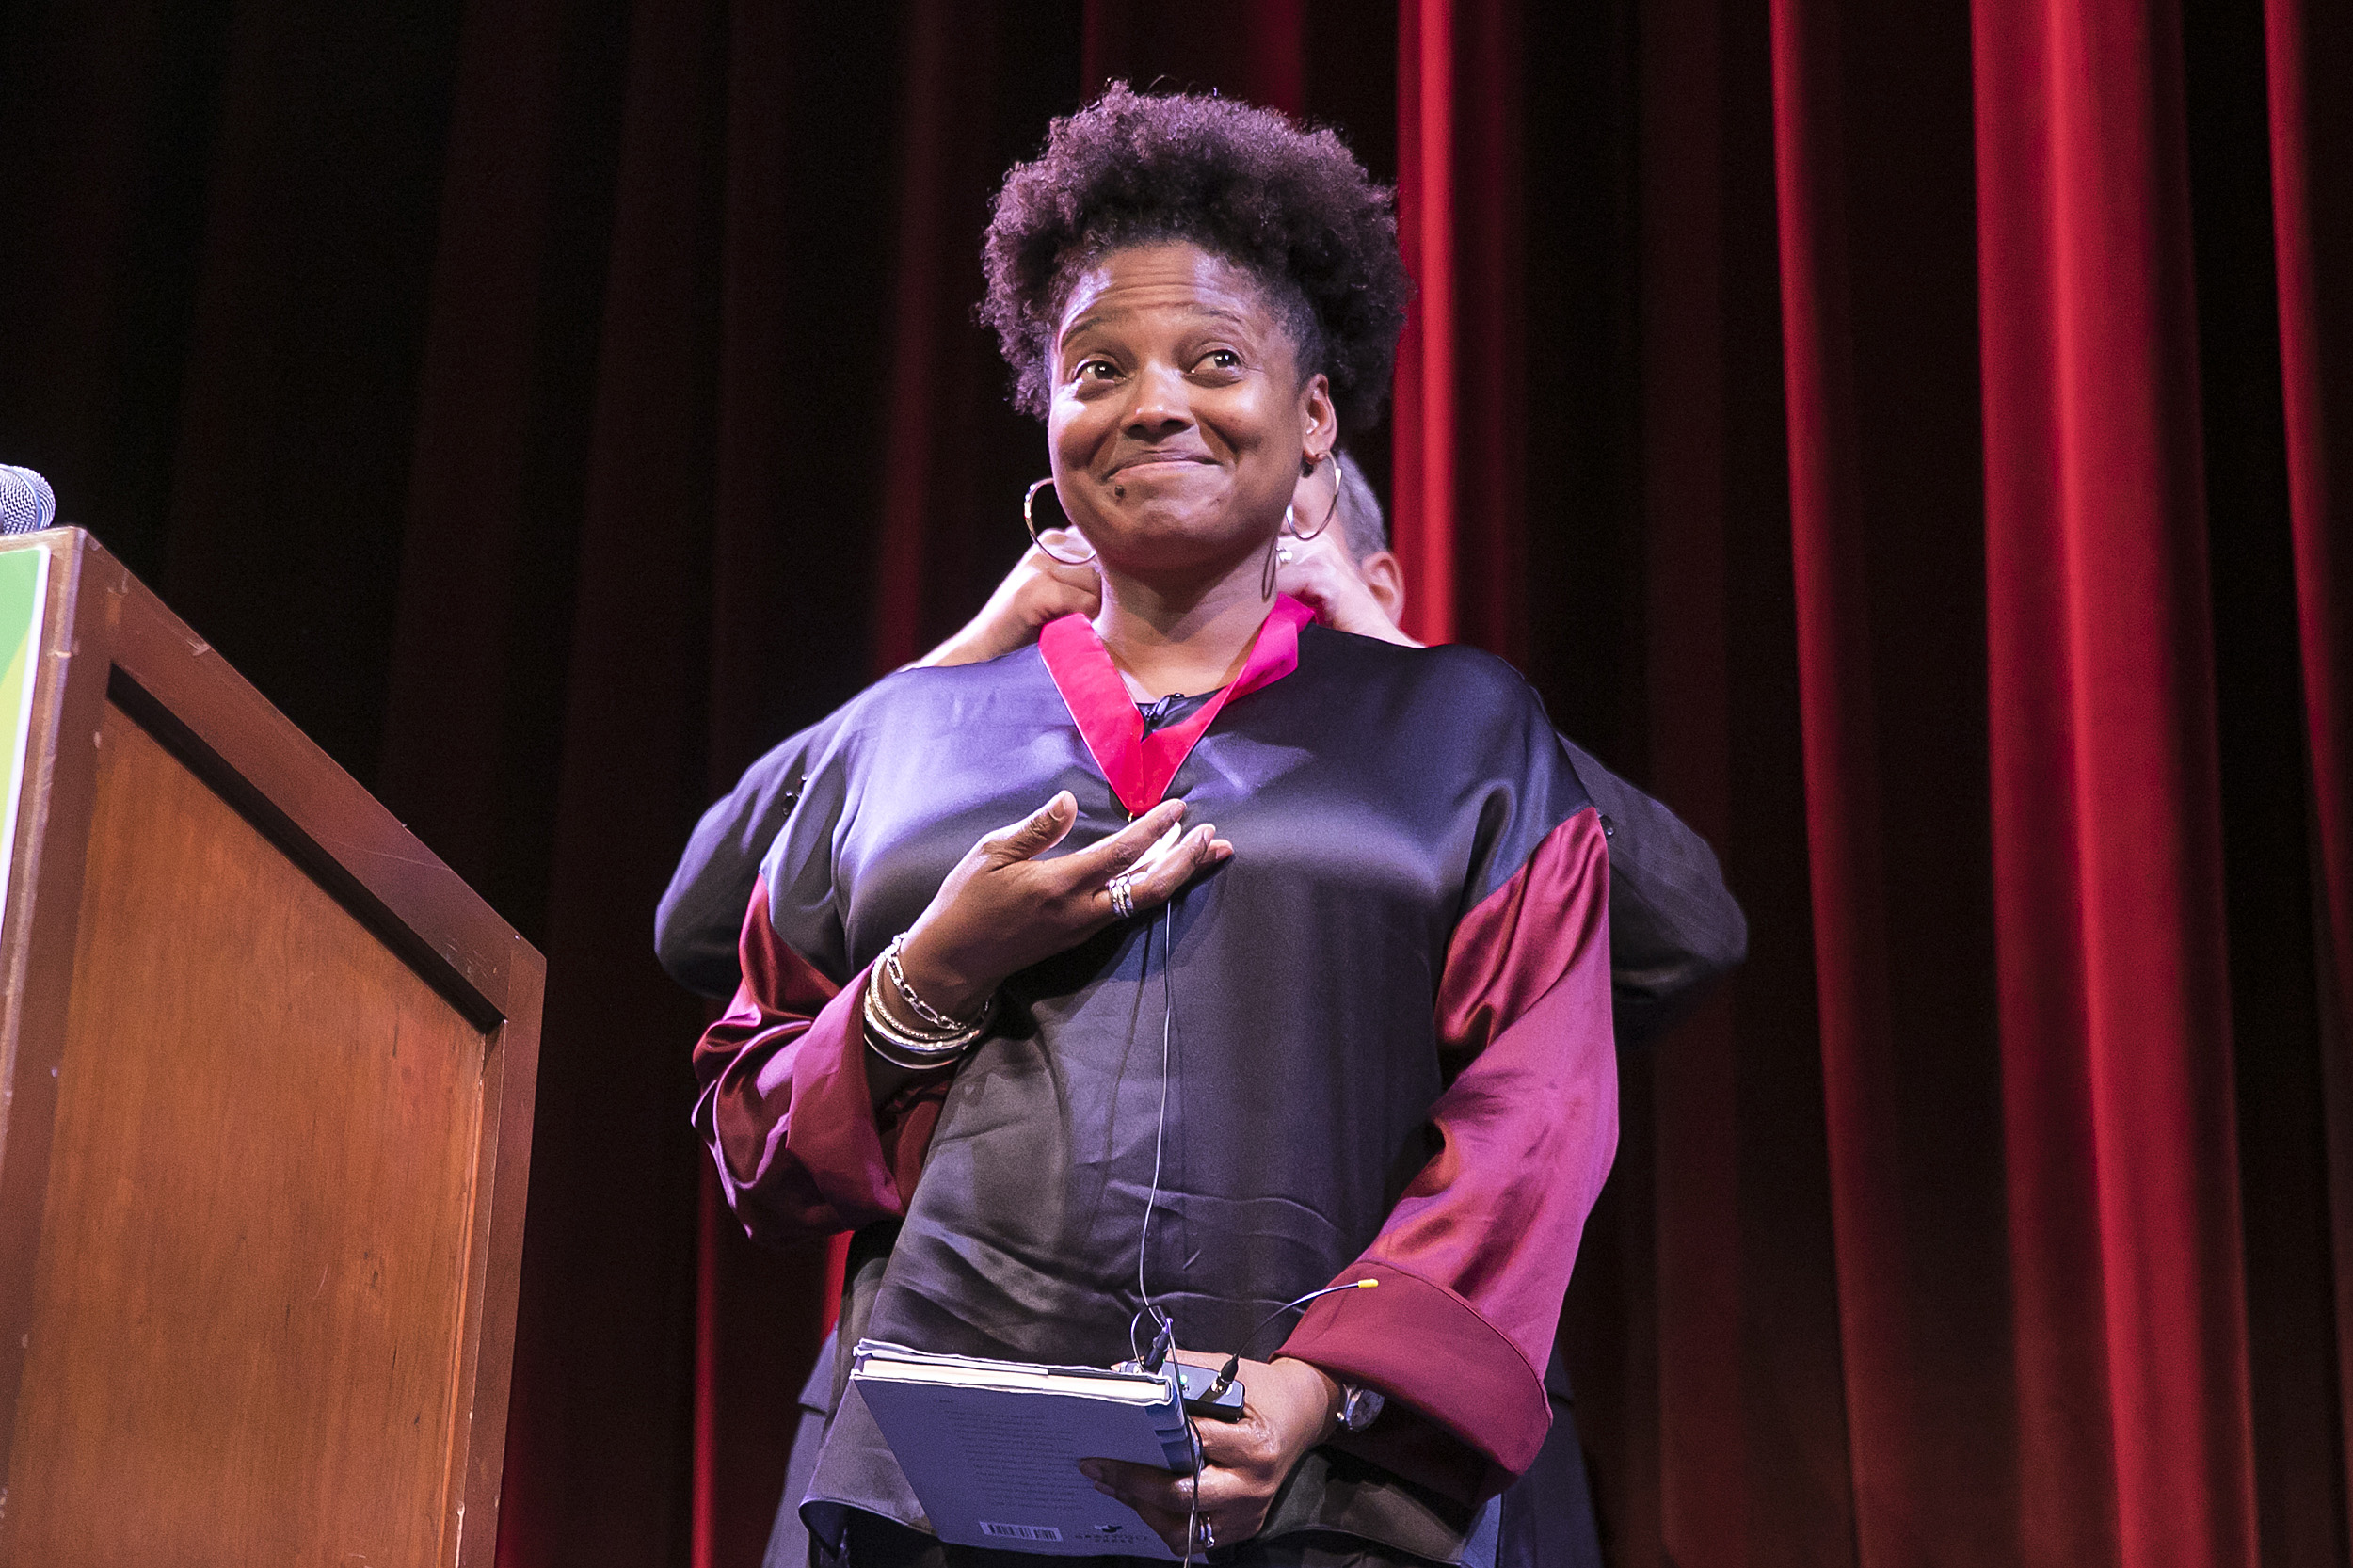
<point x="1138" y="766"/>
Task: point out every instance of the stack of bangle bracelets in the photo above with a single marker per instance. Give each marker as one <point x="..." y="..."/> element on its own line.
<point x="939" y="1041"/>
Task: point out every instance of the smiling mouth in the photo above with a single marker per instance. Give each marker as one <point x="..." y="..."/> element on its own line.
<point x="1169" y="459"/>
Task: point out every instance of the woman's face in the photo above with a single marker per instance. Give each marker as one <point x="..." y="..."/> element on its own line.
<point x="1180" y="420"/>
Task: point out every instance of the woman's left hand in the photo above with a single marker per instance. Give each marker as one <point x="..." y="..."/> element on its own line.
<point x="1287" y="1408"/>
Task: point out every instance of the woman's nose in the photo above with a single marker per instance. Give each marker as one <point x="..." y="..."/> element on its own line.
<point x="1160" y="406"/>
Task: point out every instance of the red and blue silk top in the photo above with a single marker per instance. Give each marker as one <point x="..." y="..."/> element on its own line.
<point x="1389" y="1055"/>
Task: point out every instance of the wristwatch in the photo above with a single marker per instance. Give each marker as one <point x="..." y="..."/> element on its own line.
<point x="1359" y="1406"/>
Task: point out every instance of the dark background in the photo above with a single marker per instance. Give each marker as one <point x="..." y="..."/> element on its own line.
<point x="550" y="404"/>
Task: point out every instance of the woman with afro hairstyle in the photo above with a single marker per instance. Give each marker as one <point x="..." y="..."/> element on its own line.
<point x="1200" y="957"/>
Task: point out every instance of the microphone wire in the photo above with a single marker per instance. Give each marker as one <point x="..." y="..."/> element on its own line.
<point x="1164" y="1337"/>
<point x="1226" y="1373"/>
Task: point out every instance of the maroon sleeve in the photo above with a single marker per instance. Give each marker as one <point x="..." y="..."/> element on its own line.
<point x="1475" y="1259"/>
<point x="785" y="1106"/>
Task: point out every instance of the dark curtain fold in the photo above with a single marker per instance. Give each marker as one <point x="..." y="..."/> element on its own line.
<point x="2276" y="971"/>
<point x="758" y="1313"/>
<point x="353" y="112"/>
<point x="1256" y="50"/>
<point x="2310" y="50"/>
<point x="1423" y="444"/>
<point x="1461" y="431"/>
<point x="1872" y="134"/>
<point x="2108" y="915"/>
<point x="597" y="1389"/>
<point x="1746" y="1298"/>
<point x="2311" y="47"/>
<point x="1909" y="441"/>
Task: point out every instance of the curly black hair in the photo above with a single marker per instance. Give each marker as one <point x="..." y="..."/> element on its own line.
<point x="1292" y="207"/>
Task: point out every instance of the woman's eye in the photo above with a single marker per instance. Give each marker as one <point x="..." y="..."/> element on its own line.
<point x="1096" y="370"/>
<point x="1222" y="358"/>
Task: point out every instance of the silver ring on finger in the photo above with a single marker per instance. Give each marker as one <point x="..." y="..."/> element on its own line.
<point x="1121" y="888"/>
<point x="1209" y="1535"/>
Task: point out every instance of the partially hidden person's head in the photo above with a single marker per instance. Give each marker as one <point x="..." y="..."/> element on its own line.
<point x="1335" y="507"/>
<point x="1197" y="298"/>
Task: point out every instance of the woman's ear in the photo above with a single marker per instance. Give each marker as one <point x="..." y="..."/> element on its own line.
<point x="1320" y="422"/>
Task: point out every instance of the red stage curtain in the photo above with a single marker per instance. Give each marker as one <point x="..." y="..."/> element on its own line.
<point x="1459" y="437"/>
<point x="2312" y="133"/>
<point x="590" y="1406"/>
<point x="1746" y="1308"/>
<point x="1950" y="1418"/>
<point x="2125" y="1247"/>
<point x="1872" y="141"/>
<point x="1421" y="511"/>
<point x="1256" y="50"/>
<point x="758" y="1314"/>
<point x="937" y="503"/>
<point x="2312" y="138"/>
<point x="2310" y="52"/>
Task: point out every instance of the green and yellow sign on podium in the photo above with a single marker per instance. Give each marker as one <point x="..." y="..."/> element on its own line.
<point x="23" y="592"/>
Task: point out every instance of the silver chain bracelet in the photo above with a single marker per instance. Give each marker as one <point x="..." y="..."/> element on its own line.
<point x="895" y="1043"/>
<point x="921" y="1009"/>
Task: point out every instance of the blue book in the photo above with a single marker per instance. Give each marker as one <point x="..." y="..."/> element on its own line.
<point x="992" y="1447"/>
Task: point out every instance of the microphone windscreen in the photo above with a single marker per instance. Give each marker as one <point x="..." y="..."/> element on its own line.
<point x="26" y="502"/>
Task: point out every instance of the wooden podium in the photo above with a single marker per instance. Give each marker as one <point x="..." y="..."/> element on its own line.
<point x="265" y="1094"/>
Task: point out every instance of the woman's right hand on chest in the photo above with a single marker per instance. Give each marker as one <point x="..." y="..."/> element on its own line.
<point x="1003" y="908"/>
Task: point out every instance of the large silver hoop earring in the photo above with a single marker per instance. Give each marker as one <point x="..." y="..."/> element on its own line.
<point x="1290" y="526"/>
<point x="1028" y="521"/>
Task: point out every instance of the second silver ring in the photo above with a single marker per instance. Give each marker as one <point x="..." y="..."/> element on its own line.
<point x="1122" y="897"/>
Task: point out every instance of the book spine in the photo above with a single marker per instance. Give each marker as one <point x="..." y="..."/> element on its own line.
<point x="1169" y="1424"/>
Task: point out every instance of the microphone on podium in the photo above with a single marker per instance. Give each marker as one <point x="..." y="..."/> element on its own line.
<point x="26" y="502"/>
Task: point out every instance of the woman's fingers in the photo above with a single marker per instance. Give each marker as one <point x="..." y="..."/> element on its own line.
<point x="1165" y="1500"/>
<point x="1076" y="601"/>
<point x="1140" y="1486"/>
<point x="1036" y="833"/>
<point x="1003" y="908"/>
<point x="1090" y="868"/>
<point x="1058" y="596"/>
<point x="1158" y="851"/>
<point x="1061" y="546"/>
<point x="1053" y="588"/>
<point x="1156" y="879"/>
<point x="1080" y="574"/>
<point x="1151" y="871"/>
<point x="1155" y="854"/>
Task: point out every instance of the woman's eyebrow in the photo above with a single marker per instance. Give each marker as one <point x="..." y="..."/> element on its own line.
<point x="1103" y="318"/>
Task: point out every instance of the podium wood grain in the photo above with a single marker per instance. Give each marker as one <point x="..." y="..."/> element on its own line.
<point x="268" y="1302"/>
